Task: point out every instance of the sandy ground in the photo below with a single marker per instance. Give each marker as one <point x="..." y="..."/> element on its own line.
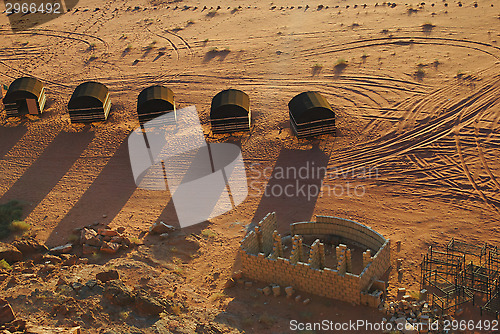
<point x="417" y="114"/>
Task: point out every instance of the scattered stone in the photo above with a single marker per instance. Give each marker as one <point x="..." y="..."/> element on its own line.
<point x="94" y="241"/>
<point x="289" y="291"/>
<point x="82" y="261"/>
<point x="229" y="283"/>
<point x="107" y="232"/>
<point x="33" y="329"/>
<point x="62" y="249"/>
<point x="47" y="258"/>
<point x="109" y="275"/>
<point x="298" y="298"/>
<point x="248" y="284"/>
<point x="29" y="245"/>
<point x="6" y="312"/>
<point x="61" y="281"/>
<point x="70" y="260"/>
<point x="86" y="234"/>
<point x="10" y="253"/>
<point x="147" y="305"/>
<point x="77" y="286"/>
<point x="267" y="291"/>
<point x="276" y="290"/>
<point x="237" y="275"/>
<point x="120" y="229"/>
<point x="306" y="301"/>
<point x="164" y="235"/>
<point x="160" y="228"/>
<point x="88" y="250"/>
<point x="117" y="293"/>
<point x="459" y="312"/>
<point x="110" y="247"/>
<point x="401" y="291"/>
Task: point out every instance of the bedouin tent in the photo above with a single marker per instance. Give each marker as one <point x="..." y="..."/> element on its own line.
<point x="25" y="96"/>
<point x="155" y="101"/>
<point x="89" y="103"/>
<point x="230" y="111"/>
<point x="311" y="115"/>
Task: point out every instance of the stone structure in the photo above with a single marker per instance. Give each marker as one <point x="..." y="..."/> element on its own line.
<point x="262" y="259"/>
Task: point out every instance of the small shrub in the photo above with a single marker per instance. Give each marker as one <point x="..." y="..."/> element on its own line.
<point x="212" y="13"/>
<point x="19" y="226"/>
<point x="5" y="265"/>
<point x="318" y="66"/>
<point x="419" y="73"/>
<point x="129" y="48"/>
<point x="427" y="26"/>
<point x="341" y="64"/>
<point x="151" y="45"/>
<point x="209" y="233"/>
<point x="218" y="296"/>
<point x="176" y="309"/>
<point x="190" y="22"/>
<point x="9" y="212"/>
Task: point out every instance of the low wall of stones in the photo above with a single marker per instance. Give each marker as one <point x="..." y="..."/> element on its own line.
<point x="261" y="259"/>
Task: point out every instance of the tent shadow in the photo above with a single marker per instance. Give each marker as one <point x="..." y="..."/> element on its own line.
<point x="293" y="187"/>
<point x="44" y="174"/>
<point x="9" y="136"/>
<point x="107" y="195"/>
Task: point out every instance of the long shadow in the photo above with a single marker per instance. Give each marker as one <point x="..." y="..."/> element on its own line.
<point x="106" y="196"/>
<point x="48" y="169"/>
<point x="199" y="167"/>
<point x="9" y="137"/>
<point x="294" y="187"/>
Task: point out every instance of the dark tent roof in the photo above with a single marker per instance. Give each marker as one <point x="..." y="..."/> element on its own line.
<point x="23" y="88"/>
<point x="230" y="103"/>
<point x="154" y="99"/>
<point x="309" y="107"/>
<point x="88" y="94"/>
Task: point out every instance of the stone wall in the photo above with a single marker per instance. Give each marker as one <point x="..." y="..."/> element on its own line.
<point x="261" y="258"/>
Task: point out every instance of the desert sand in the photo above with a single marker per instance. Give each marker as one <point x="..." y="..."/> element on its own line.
<point x="415" y="90"/>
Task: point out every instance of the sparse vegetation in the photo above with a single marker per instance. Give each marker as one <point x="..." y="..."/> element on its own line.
<point x="427" y="27"/>
<point x="19" y="226"/>
<point x="151" y="45"/>
<point x="341" y="64"/>
<point x="218" y="296"/>
<point x="129" y="48"/>
<point x="209" y="233"/>
<point x="212" y="13"/>
<point x="4" y="265"/>
<point x="419" y="73"/>
<point x="189" y="22"/>
<point x="9" y="212"/>
<point x="318" y="66"/>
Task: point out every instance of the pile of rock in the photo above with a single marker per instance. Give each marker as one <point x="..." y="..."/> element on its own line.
<point x="94" y="239"/>
<point x="409" y="312"/>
